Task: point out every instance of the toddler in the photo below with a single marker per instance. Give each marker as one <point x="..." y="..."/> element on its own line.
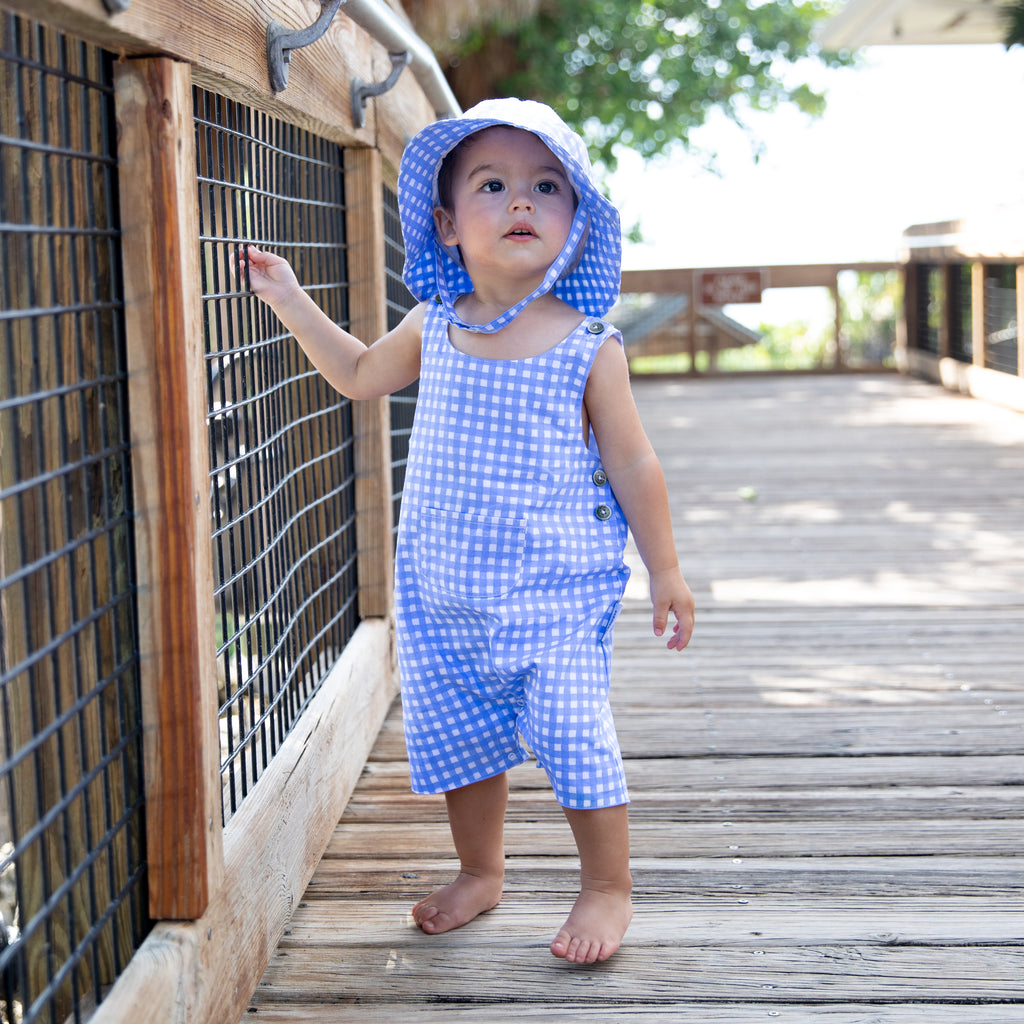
<point x="527" y="465"/>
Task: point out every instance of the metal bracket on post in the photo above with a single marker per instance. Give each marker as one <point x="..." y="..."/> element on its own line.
<point x="116" y="6"/>
<point x="281" y="41"/>
<point x="362" y="91"/>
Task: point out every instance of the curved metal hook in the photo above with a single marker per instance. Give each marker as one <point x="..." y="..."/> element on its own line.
<point x="362" y="91"/>
<point x="281" y="41"/>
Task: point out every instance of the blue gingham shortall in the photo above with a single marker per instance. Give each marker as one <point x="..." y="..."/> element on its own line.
<point x="509" y="573"/>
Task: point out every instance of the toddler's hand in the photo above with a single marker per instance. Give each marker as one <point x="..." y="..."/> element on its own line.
<point x="671" y="595"/>
<point x="270" y="276"/>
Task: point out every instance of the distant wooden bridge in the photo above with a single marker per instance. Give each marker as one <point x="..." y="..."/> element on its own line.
<point x="827" y="787"/>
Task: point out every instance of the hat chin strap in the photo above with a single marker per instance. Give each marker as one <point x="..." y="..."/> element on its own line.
<point x="566" y="259"/>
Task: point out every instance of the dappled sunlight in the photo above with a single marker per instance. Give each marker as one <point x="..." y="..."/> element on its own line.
<point x="803" y="512"/>
<point x="911" y="403"/>
<point x="852" y="684"/>
<point x="958" y="585"/>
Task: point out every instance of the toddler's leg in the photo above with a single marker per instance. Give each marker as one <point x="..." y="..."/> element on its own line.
<point x="476" y="815"/>
<point x="603" y="910"/>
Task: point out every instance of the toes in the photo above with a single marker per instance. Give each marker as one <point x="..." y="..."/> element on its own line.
<point x="560" y="945"/>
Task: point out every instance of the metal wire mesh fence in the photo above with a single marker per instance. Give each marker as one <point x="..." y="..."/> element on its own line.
<point x="282" y="478"/>
<point x="72" y="872"/>
<point x="960" y="339"/>
<point x="930" y="299"/>
<point x="1001" y="328"/>
<point x="399" y="302"/>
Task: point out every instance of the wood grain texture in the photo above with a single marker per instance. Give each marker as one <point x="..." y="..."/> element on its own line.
<point x="170" y="470"/>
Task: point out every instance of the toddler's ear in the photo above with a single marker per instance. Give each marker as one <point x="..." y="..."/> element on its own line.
<point x="445" y="226"/>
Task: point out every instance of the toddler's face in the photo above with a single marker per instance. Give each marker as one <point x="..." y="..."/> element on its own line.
<point x="508" y="202"/>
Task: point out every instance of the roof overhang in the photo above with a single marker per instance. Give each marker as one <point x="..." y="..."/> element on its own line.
<point x="881" y="22"/>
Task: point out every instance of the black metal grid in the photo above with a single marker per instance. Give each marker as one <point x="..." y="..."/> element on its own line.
<point x="399" y="302"/>
<point x="929" y="307"/>
<point x="961" y="341"/>
<point x="72" y="870"/>
<point x="1001" y="328"/>
<point x="282" y="475"/>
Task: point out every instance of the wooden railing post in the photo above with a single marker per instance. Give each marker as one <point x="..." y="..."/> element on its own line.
<point x="364" y="200"/>
<point x="978" y="313"/>
<point x="170" y="464"/>
<point x="837" y="329"/>
<point x="946" y="323"/>
<point x="691" y="318"/>
<point x="1020" y="319"/>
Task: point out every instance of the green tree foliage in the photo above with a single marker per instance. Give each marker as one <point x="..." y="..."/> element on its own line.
<point x="1014" y="14"/>
<point x="871" y="306"/>
<point x="645" y="74"/>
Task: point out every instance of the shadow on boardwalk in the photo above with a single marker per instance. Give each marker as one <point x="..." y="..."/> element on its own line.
<point x="826" y="787"/>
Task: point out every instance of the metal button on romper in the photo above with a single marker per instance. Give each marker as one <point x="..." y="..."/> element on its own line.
<point x="600" y="477"/>
<point x="603" y="512"/>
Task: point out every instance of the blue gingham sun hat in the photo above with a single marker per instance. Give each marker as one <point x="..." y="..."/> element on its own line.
<point x="586" y="272"/>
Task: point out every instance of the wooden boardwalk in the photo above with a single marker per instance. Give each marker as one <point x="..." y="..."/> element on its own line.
<point x="827" y="787"/>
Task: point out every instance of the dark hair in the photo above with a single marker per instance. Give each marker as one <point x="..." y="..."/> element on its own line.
<point x="446" y="172"/>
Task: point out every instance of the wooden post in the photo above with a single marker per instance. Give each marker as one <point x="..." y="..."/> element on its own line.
<point x="159" y="212"/>
<point x="691" y="311"/>
<point x="1020" y="319"/>
<point x="837" y="305"/>
<point x="364" y="199"/>
<point x="946" y="323"/>
<point x="978" y="313"/>
<point x="908" y="341"/>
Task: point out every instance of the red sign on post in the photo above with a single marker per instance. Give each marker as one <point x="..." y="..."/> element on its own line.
<point x="725" y="287"/>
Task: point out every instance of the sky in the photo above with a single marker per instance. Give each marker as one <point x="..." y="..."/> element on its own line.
<point x="914" y="134"/>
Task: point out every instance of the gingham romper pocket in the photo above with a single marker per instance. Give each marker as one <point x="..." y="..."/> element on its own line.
<point x="468" y="555"/>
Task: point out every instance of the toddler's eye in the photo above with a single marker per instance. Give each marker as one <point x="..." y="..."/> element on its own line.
<point x="492" y="186"/>
<point x="547" y="187"/>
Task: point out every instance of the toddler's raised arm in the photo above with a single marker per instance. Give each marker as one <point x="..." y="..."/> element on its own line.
<point x="356" y="370"/>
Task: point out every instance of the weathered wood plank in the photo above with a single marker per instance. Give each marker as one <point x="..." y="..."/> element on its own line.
<point x="727" y="838"/>
<point x="835" y="878"/>
<point x="664" y="920"/>
<point x="522" y="970"/>
<point x="775" y="774"/>
<point x="695" y="1012"/>
<point x="898" y="803"/>
<point x="170" y="474"/>
<point x="824" y="732"/>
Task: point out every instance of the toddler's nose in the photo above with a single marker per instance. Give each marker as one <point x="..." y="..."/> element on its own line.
<point x="520" y="199"/>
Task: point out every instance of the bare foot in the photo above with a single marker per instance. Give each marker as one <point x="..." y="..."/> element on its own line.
<point x="457" y="903"/>
<point x="594" y="928"/>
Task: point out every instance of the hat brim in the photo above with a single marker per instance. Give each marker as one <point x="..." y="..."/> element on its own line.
<point x="591" y="285"/>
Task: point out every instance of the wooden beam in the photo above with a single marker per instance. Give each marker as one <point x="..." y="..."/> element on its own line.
<point x="946" y="323"/>
<point x="810" y="275"/>
<point x="1020" y="319"/>
<point x="837" y="306"/>
<point x="170" y="463"/>
<point x="226" y="43"/>
<point x="204" y="971"/>
<point x="364" y="201"/>
<point x="978" y="313"/>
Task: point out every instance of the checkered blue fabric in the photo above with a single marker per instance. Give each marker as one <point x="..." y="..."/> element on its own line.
<point x="589" y="283"/>
<point x="509" y="573"/>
